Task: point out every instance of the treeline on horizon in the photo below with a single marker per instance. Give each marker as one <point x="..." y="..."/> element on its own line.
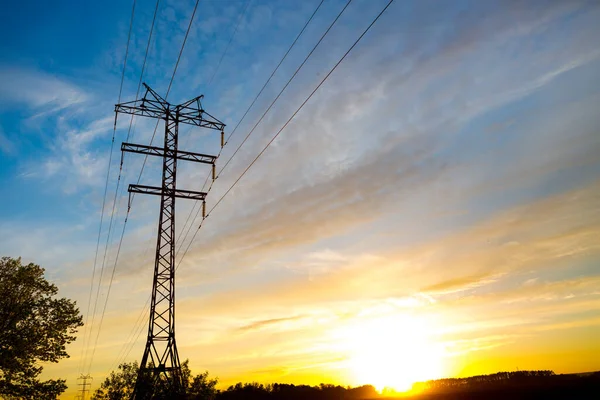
<point x="502" y="378"/>
<point x="526" y="382"/>
<point x="280" y="391"/>
<point x="517" y="385"/>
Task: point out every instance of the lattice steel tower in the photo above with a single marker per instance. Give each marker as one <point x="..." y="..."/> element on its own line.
<point x="160" y="368"/>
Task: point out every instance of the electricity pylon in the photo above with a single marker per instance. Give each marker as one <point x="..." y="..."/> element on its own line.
<point x="160" y="365"/>
<point x="84" y="386"/>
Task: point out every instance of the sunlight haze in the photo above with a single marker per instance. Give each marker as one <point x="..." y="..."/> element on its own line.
<point x="432" y="211"/>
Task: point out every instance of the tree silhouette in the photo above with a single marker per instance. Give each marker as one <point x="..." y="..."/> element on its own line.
<point x="519" y="385"/>
<point x="282" y="391"/>
<point x="34" y="327"/>
<point x="119" y="384"/>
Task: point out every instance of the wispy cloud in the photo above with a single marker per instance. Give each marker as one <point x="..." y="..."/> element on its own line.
<point x="447" y="169"/>
<point x="437" y="264"/>
<point x="460" y="284"/>
<point x="267" y="323"/>
<point x="6" y="145"/>
<point x="42" y="92"/>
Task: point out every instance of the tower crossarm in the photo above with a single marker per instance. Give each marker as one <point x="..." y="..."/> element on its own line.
<point x="181" y="193"/>
<point x="160" y="151"/>
<point x="157" y="97"/>
<point x="151" y="105"/>
<point x="143" y="108"/>
<point x="192" y="113"/>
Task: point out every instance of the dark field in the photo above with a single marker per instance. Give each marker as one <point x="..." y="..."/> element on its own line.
<point x="570" y="386"/>
<point x="503" y="385"/>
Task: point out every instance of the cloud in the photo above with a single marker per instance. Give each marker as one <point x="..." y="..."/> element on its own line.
<point x="41" y="92"/>
<point x="581" y="287"/>
<point x="78" y="158"/>
<point x="546" y="229"/>
<point x="48" y="246"/>
<point x="460" y="284"/>
<point x="267" y="323"/>
<point x="402" y="185"/>
<point x="6" y="145"/>
<point x="343" y="166"/>
<point x="332" y="154"/>
<point x="463" y="346"/>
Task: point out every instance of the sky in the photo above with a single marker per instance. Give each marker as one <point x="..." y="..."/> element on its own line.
<point x="432" y="211"/>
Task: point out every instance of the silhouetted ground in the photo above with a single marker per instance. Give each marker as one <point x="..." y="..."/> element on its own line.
<point x="569" y="386"/>
<point x="503" y="385"/>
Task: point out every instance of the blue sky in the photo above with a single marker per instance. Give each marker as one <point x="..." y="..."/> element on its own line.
<point x="447" y="172"/>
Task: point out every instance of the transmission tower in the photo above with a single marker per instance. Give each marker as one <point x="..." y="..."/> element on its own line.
<point x="84" y="386"/>
<point x="160" y="365"/>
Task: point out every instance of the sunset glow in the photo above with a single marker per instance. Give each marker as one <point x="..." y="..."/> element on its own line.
<point x="392" y="352"/>
<point x="421" y="203"/>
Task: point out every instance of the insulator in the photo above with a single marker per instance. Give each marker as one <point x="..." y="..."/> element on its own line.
<point x="203" y="209"/>
<point x="222" y="139"/>
<point x="214" y="172"/>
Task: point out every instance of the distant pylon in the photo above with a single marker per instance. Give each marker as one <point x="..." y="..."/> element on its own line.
<point x="84" y="386"/>
<point x="160" y="365"/>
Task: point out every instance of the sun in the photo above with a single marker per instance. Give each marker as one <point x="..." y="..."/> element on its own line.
<point x="392" y="352"/>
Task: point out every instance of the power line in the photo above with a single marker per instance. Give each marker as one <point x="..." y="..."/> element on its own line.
<point x="170" y="84"/>
<point x="136" y="326"/>
<point x="127" y="49"/>
<point x="242" y="13"/>
<point x="277" y="134"/>
<point x="285" y="87"/>
<point x="301" y="106"/>
<point x="112" y="276"/>
<point x="187" y="136"/>
<point x="112" y="145"/>
<point x="129" y="130"/>
<point x="244" y="116"/>
<point x="110" y="225"/>
<point x="290" y="119"/>
<point x="139" y="177"/>
<point x="137" y="92"/>
<point x="119" y="176"/>
<point x="276" y="69"/>
<point x="129" y="343"/>
<point x="187" y="32"/>
<point x="168" y="90"/>
<point x="139" y="321"/>
<point x="140" y="330"/>
<point x="278" y="95"/>
<point x="230" y="40"/>
<point x="114" y="265"/>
